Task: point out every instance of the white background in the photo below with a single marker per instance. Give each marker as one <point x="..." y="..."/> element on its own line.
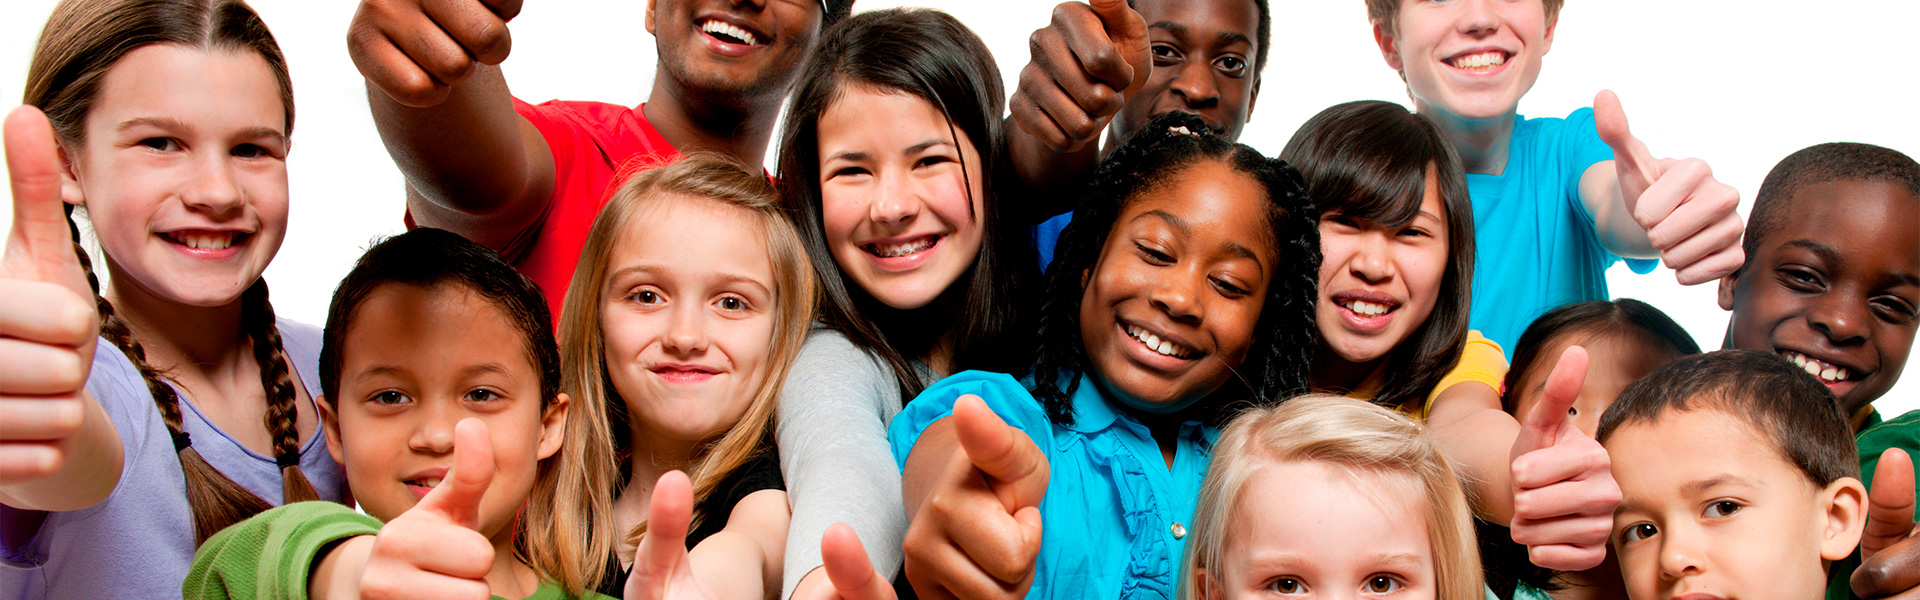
<point x="1741" y="84"/>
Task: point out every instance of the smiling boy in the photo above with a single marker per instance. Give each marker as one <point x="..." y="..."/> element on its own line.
<point x="1554" y="204"/>
<point x="528" y="180"/>
<point x="1738" y="480"/>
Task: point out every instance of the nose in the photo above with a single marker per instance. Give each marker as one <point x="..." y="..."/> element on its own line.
<point x="687" y="333"/>
<point x="433" y="429"/>
<point x="1178" y="295"/>
<point x="1842" y="320"/>
<point x="1372" y="260"/>
<point x="1680" y="554"/>
<point x="1195" y="86"/>
<point x="894" y="204"/>
<point x="214" y="189"/>
<point x="1477" y="18"/>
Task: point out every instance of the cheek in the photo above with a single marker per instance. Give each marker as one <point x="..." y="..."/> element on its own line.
<point x="748" y="344"/>
<point x="842" y="210"/>
<point x="1425" y="267"/>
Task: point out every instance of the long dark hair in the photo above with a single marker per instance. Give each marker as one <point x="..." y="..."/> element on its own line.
<point x="1623" y="317"/>
<point x="1167" y="146"/>
<point x="81" y="42"/>
<point x="1369" y="160"/>
<point x="930" y="55"/>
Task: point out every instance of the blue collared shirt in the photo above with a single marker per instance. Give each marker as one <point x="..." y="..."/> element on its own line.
<point x="1115" y="515"/>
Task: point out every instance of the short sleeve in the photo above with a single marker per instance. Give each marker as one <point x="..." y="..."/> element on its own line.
<point x="1002" y="393"/>
<point x="1580" y="136"/>
<point x="271" y="554"/>
<point x="1481" y="361"/>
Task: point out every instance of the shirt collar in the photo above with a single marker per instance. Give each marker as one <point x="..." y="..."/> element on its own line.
<point x="1092" y="410"/>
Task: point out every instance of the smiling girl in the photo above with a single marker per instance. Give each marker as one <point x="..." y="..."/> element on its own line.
<point x="1183" y="286"/>
<point x="172" y="119"/>
<point x="892" y="153"/>
<point x="691" y="300"/>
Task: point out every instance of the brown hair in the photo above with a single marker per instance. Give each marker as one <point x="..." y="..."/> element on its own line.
<point x="701" y="177"/>
<point x="1387" y="12"/>
<point x="1364" y="440"/>
<point x="81" y="42"/>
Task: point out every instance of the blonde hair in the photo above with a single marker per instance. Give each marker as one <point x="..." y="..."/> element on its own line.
<point x="703" y="177"/>
<point x="1362" y="438"/>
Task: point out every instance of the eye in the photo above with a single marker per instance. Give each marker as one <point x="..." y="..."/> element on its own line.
<point x="849" y="172"/>
<point x="1637" y="532"/>
<point x="1287" y="585"/>
<point x="646" y="297"/>
<point x="1382" y="584"/>
<point x="1164" y="54"/>
<point x="1229" y="288"/>
<point x="1722" y="508"/>
<point x="1801" y="279"/>
<point x="731" y="303"/>
<point x="1573" y="411"/>
<point x="483" y="395"/>
<point x="1342" y="221"/>
<point x="1232" y="66"/>
<point x="1153" y="256"/>
<point x="1894" y="309"/>
<point x="931" y="160"/>
<point x="389" y="398"/>
<point x="1414" y="232"/>
<point x="250" y="151"/>
<point x="161" y="144"/>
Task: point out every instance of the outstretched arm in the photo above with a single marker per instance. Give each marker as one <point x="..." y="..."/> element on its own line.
<point x="1645" y="207"/>
<point x="1084" y="65"/>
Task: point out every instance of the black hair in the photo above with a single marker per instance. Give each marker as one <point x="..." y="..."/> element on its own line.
<point x="931" y="56"/>
<point x="834" y="11"/>
<point x="1369" y="160"/>
<point x="1822" y="163"/>
<point x="1263" y="32"/>
<point x="1790" y="410"/>
<point x="1167" y="146"/>
<point x="427" y="258"/>
<point x="1622" y="317"/>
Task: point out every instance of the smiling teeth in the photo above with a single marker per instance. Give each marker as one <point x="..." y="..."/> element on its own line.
<point x="731" y="31"/>
<point x="1153" y="342"/>
<point x="203" y="241"/>
<point x="899" y="250"/>
<point x="1483" y="60"/>
<point x="1367" y="309"/>
<point x="428" y="482"/>
<point x="1826" y="372"/>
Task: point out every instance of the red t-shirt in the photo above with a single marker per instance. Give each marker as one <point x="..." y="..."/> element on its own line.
<point x="592" y="144"/>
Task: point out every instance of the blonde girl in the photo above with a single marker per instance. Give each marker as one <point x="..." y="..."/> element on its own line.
<point x="1326" y="495"/>
<point x="691" y="299"/>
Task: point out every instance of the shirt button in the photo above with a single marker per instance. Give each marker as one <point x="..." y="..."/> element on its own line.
<point x="1179" y="531"/>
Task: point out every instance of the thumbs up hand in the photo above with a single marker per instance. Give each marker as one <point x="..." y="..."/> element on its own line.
<point x="1563" y="488"/>
<point x="1687" y="214"/>
<point x="848" y="569"/>
<point x="977" y="533"/>
<point x="48" y="321"/>
<point x="435" y="550"/>
<point x="1084" y="67"/>
<point x="1891" y="544"/>
<point x="660" y="566"/>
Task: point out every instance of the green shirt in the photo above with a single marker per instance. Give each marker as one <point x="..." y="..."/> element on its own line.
<point x="269" y="556"/>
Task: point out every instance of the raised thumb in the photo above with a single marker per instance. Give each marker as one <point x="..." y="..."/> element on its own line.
<point x="1891" y="504"/>
<point x="458" y="496"/>
<point x="1544" y="425"/>
<point x="1014" y="466"/>
<point x="40" y="247"/>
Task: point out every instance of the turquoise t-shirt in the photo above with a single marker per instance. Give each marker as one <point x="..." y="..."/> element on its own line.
<point x="1536" y="244"/>
<point x="1114" y="517"/>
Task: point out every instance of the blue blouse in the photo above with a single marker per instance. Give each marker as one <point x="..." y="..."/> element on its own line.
<point x="1115" y="513"/>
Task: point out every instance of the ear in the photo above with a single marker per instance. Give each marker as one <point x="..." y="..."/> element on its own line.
<point x="1389" y="47"/>
<point x="1727" y="285"/>
<point x="650" y="6"/>
<point x="69" y="178"/>
<point x="1252" y="99"/>
<point x="1205" y="585"/>
<point x="1546" y="39"/>
<point x="1844" y="513"/>
<point x="553" y="426"/>
<point x="330" y="424"/>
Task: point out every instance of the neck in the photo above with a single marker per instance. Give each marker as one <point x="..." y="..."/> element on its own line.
<point x="181" y="337"/>
<point x="509" y="578"/>
<point x="734" y="125"/>
<point x="654" y="454"/>
<point x="1332" y="374"/>
<point x="1483" y="144"/>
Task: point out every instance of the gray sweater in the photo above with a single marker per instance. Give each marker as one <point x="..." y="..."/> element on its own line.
<point x="832" y="431"/>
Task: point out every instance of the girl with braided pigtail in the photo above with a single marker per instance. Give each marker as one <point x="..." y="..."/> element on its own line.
<point x="170" y="119"/>
<point x="1184" y="288"/>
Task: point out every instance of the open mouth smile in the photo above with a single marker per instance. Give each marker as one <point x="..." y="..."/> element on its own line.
<point x="902" y="249"/>
<point x="1480" y="62"/>
<point x="205" y="240"/>
<point x="1157" y="344"/>
<point x="730" y="33"/>
<point x="1828" y="373"/>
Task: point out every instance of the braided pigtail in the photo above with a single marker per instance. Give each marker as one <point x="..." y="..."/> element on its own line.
<point x="215" y="500"/>
<point x="258" y="321"/>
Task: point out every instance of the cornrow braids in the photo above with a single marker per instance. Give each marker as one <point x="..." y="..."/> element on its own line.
<point x="258" y="321"/>
<point x="215" y="501"/>
<point x="1167" y="146"/>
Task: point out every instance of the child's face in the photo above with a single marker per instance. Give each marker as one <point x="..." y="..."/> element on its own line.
<point x="1470" y="59"/>
<point x="183" y="171"/>
<point x="1169" y="309"/>
<point x="1303" y="530"/>
<point x="1612" y="363"/>
<point x="901" y="217"/>
<point x="1203" y="53"/>
<point x="1709" y="506"/>
<point x="703" y="44"/>
<point x="1835" y="288"/>
<point x="687" y="317"/>
<point x="1379" y="284"/>
<point x="416" y="361"/>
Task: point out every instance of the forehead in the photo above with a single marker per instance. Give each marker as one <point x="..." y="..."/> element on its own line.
<point x="1382" y="508"/>
<point x="434" y="331"/>
<point x="692" y="233"/>
<point x="1202" y="20"/>
<point x="212" y="88"/>
<point x="1217" y="205"/>
<point x="1861" y="218"/>
<point x="1653" y="460"/>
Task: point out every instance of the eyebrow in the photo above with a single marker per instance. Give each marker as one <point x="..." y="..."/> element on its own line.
<point x="171" y="123"/>
<point x="1223" y="38"/>
<point x="725" y="277"/>
<point x="1833" y="255"/>
<point x="1180" y="225"/>
<point x="1696" y="487"/>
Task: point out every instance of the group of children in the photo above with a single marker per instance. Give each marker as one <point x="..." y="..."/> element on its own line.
<point x="613" y="361"/>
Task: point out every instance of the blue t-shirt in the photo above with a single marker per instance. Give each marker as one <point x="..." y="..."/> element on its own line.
<point x="1114" y="518"/>
<point x="1536" y="244"/>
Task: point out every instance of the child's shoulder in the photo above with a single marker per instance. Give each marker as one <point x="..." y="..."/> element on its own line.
<point x="1007" y="397"/>
<point x="279" y="544"/>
